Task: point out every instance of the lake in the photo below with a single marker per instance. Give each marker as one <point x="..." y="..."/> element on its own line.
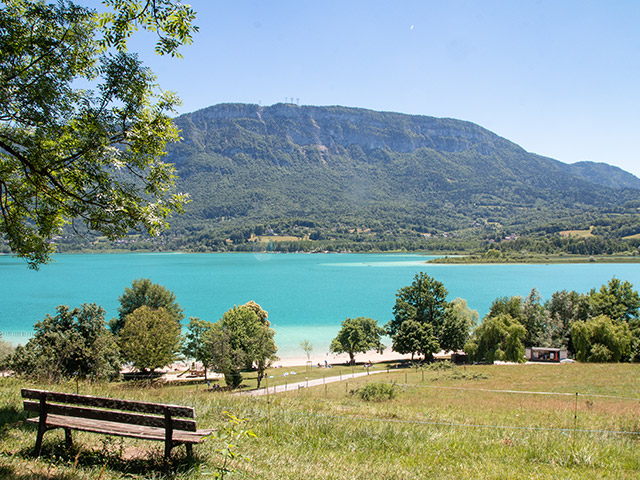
<point x="306" y="295"/>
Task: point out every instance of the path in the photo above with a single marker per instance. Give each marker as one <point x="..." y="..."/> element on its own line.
<point x="306" y="383"/>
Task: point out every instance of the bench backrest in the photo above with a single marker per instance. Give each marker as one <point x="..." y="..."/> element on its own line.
<point x="110" y="409"/>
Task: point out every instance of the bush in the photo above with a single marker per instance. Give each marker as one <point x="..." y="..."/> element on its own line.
<point x="377" y="392"/>
<point x="73" y="342"/>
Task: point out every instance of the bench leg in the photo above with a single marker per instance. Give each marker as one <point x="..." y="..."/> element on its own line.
<point x="168" y="445"/>
<point x="38" y="448"/>
<point x="189" y="448"/>
<point x="68" y="440"/>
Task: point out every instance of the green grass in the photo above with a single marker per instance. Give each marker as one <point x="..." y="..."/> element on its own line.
<point x="473" y="422"/>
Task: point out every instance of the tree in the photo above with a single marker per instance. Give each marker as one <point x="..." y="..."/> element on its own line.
<point x="535" y="321"/>
<point x="143" y="292"/>
<point x="617" y="300"/>
<point x="414" y="337"/>
<point x="150" y="338"/>
<point x="83" y="125"/>
<point x="241" y="339"/>
<point x="307" y="348"/>
<point x="73" y="342"/>
<point x="195" y="346"/>
<point x="563" y="309"/>
<point x="601" y="339"/>
<point x="511" y="306"/>
<point x="424" y="301"/>
<point x="357" y="335"/>
<point x="458" y="322"/>
<point x="498" y="337"/>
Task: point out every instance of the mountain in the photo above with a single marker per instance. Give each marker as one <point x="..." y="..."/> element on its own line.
<point x="331" y="172"/>
<point x="605" y="174"/>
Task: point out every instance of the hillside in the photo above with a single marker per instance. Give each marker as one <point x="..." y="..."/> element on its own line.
<point x="341" y="173"/>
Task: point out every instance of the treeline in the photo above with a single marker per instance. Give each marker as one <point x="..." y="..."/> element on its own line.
<point x="599" y="326"/>
<point x="146" y="335"/>
<point x="557" y="244"/>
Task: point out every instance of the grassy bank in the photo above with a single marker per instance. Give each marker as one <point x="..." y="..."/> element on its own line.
<point x="535" y="258"/>
<point x="509" y="421"/>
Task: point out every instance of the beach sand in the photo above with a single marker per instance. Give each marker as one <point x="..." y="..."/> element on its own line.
<point x="332" y="359"/>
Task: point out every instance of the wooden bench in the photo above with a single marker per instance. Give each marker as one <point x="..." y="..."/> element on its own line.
<point x="152" y="421"/>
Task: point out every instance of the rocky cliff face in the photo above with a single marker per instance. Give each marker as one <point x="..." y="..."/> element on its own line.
<point x="332" y="126"/>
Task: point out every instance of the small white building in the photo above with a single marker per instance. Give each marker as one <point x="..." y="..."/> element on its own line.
<point x="543" y="354"/>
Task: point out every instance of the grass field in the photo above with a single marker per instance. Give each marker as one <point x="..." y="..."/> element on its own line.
<point x="578" y="233"/>
<point x="494" y="422"/>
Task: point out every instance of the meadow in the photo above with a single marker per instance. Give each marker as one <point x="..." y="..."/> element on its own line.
<point x="568" y="421"/>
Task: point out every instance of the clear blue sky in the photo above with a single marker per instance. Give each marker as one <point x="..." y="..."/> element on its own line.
<point x="560" y="78"/>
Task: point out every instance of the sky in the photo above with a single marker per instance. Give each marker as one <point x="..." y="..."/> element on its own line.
<point x="560" y="78"/>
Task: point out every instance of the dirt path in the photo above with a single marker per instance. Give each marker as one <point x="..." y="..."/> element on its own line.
<point x="306" y="383"/>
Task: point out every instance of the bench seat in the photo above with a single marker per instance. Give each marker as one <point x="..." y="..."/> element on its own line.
<point x="121" y="429"/>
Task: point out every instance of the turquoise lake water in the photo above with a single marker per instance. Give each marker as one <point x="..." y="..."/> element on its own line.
<point x="306" y="296"/>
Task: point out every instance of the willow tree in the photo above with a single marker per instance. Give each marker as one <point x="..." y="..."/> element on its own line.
<point x="83" y="125"/>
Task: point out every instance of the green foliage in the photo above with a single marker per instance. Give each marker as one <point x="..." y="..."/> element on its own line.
<point x="83" y="128"/>
<point x="73" y="342"/>
<point x="617" y="300"/>
<point x="170" y="20"/>
<point x="535" y="321"/>
<point x="307" y="348"/>
<point x="563" y="309"/>
<point x="241" y="339"/>
<point x="498" y="337"/>
<point x="194" y="345"/>
<point x="143" y="292"/>
<point x="414" y="337"/>
<point x="357" y="335"/>
<point x="457" y="326"/>
<point x="150" y="338"/>
<point x="434" y="323"/>
<point x="424" y="301"/>
<point x="229" y="437"/>
<point x="601" y="339"/>
<point x="511" y="306"/>
<point x="377" y="392"/>
<point x="6" y="349"/>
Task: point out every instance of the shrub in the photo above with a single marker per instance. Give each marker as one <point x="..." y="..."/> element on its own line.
<point x="377" y="392"/>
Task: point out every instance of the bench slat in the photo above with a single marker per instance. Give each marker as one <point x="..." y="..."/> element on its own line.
<point x="110" y="415"/>
<point x="102" y="402"/>
<point x="121" y="429"/>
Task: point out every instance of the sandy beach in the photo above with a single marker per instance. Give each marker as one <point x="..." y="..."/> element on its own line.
<point x="332" y="359"/>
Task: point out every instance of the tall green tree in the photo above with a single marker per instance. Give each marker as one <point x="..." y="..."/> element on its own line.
<point x="241" y="340"/>
<point x="601" y="339"/>
<point x="535" y="321"/>
<point x="72" y="342"/>
<point x="617" y="300"/>
<point x="195" y="345"/>
<point x="563" y="309"/>
<point x="150" y="338"/>
<point x="457" y="326"/>
<point x="83" y="125"/>
<point x="357" y="335"/>
<point x="424" y="301"/>
<point x="416" y="338"/>
<point x="143" y="292"/>
<point x="511" y="306"/>
<point x="498" y="337"/>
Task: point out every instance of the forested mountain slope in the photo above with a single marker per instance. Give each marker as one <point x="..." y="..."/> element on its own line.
<point x="330" y="171"/>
